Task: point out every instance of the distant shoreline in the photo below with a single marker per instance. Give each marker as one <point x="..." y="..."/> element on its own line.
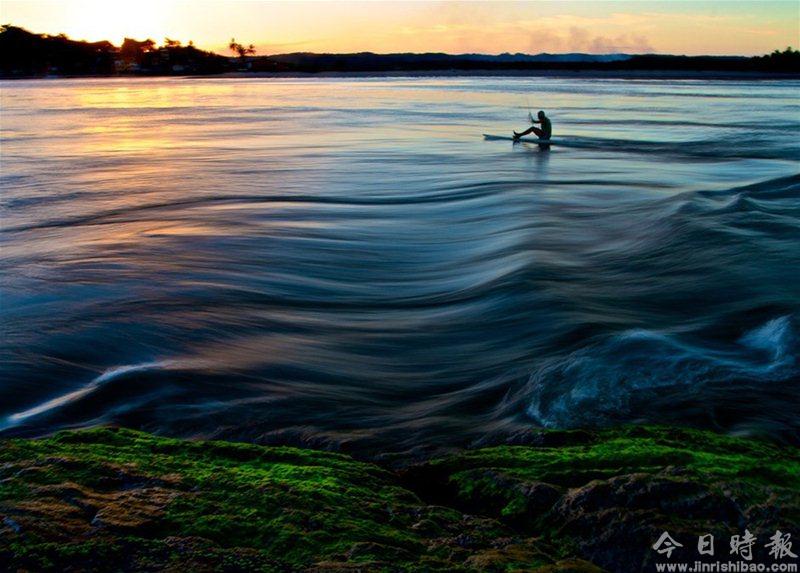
<point x="591" y="74"/>
<point x="455" y="73"/>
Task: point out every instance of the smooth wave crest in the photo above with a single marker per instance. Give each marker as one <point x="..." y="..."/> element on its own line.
<point x="70" y="397"/>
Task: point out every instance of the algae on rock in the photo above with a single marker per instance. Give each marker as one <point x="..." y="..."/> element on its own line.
<point x="111" y="499"/>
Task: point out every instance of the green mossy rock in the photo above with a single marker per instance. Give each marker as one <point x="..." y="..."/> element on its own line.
<point x="112" y="499"/>
<point x="607" y="496"/>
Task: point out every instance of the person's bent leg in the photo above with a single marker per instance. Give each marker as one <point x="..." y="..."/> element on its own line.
<point x="524" y="133"/>
<point x="535" y="130"/>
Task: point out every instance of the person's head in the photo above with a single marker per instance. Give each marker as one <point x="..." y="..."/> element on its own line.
<point x="540" y="114"/>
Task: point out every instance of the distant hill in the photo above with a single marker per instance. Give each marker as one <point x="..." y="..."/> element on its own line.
<point x="25" y="54"/>
<point x="573" y="57"/>
<point x="369" y="61"/>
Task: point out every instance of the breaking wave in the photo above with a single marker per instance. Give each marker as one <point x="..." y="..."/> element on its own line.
<point x="645" y="375"/>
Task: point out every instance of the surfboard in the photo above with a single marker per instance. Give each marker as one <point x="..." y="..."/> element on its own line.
<point x="489" y="137"/>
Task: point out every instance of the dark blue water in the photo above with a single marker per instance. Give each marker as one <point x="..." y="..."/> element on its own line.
<point x="348" y="262"/>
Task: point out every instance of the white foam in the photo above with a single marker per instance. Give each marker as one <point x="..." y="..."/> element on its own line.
<point x="774" y="337"/>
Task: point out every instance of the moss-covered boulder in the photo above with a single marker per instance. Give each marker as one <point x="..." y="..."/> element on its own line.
<point x="114" y="499"/>
<point x="607" y="496"/>
<point x="119" y="500"/>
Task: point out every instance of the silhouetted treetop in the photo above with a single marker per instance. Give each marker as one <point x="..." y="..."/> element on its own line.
<point x="240" y="49"/>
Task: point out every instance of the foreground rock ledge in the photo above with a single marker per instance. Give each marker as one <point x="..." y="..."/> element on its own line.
<point x="112" y="499"/>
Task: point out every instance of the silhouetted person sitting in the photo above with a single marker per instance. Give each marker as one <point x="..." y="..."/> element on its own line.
<point x="544" y="133"/>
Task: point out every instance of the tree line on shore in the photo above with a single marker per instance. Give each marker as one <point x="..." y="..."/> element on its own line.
<point x="26" y="54"/>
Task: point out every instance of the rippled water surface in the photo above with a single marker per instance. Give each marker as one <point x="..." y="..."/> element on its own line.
<point x="348" y="262"/>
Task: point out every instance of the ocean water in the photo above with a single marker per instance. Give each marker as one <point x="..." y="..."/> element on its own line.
<point x="347" y="263"/>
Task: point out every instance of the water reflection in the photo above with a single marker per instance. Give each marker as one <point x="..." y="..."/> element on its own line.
<point x="349" y="260"/>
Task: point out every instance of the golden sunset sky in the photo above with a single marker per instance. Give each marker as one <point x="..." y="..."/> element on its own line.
<point x="670" y="26"/>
